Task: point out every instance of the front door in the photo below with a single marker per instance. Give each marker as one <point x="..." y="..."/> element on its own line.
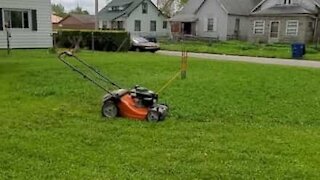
<point x="274" y="31"/>
<point x="187" y="28"/>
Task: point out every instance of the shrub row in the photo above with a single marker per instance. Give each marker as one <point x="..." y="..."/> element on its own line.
<point x="103" y="40"/>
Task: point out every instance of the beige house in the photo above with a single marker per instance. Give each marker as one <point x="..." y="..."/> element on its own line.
<point x="285" y="21"/>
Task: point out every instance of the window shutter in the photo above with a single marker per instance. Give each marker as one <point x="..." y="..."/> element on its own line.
<point x="1" y="22"/>
<point x="34" y="20"/>
<point x="215" y="23"/>
<point x="205" y="24"/>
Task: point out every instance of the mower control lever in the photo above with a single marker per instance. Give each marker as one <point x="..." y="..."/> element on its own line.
<point x="67" y="53"/>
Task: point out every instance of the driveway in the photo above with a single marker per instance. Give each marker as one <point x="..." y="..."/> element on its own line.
<point x="258" y="60"/>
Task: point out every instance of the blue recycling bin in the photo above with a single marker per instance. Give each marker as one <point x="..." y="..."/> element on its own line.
<point x="298" y="50"/>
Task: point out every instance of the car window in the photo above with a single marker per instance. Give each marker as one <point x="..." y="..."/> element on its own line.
<point x="139" y="40"/>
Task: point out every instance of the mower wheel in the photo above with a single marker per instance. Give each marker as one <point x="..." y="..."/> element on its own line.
<point x="109" y="109"/>
<point x="153" y="116"/>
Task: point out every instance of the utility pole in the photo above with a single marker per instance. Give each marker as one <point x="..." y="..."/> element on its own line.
<point x="96" y="14"/>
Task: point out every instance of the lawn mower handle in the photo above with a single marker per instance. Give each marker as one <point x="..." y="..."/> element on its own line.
<point x="103" y="77"/>
<point x="74" y="68"/>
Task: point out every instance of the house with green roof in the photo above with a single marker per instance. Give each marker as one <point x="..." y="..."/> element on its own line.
<point x="138" y="17"/>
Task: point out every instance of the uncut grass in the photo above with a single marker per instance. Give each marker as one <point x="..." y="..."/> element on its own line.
<point x="227" y="120"/>
<point x="240" y="48"/>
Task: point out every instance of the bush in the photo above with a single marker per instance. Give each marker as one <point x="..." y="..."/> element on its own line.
<point x="103" y="40"/>
<point x="52" y="50"/>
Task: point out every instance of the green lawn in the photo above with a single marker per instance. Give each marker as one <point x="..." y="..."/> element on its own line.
<point x="227" y="121"/>
<point x="239" y="48"/>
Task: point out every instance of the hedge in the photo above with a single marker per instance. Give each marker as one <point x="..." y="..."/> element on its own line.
<point x="103" y="40"/>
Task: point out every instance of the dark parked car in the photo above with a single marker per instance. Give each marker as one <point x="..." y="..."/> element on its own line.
<point x="141" y="44"/>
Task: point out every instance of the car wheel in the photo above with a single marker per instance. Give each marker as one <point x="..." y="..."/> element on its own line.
<point x="138" y="49"/>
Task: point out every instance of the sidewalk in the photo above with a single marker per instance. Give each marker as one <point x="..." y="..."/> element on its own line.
<point x="258" y="60"/>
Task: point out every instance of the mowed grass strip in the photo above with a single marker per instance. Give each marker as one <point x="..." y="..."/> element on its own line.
<point x="227" y="120"/>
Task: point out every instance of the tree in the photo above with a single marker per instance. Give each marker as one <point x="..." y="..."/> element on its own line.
<point x="169" y="7"/>
<point x="166" y="6"/>
<point x="58" y="10"/>
<point x="79" y="10"/>
<point x="182" y="2"/>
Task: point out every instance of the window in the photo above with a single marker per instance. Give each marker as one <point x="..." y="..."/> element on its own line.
<point x="311" y="26"/>
<point x="210" y="24"/>
<point x="105" y="25"/>
<point x="237" y="27"/>
<point x="153" y="25"/>
<point x="18" y="19"/>
<point x="292" y="28"/>
<point x="116" y="8"/>
<point x="258" y="27"/>
<point x="165" y="25"/>
<point x="26" y="19"/>
<point x="144" y="8"/>
<point x="118" y="25"/>
<point x="137" y="25"/>
<point x="287" y="2"/>
<point x="1" y="20"/>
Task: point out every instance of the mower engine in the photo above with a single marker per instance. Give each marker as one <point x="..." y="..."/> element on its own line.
<point x="137" y="103"/>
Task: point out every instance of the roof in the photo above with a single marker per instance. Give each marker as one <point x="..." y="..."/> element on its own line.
<point x="55" y="19"/>
<point x="233" y="7"/>
<point x="83" y="18"/>
<point x="288" y="9"/>
<point x="188" y="13"/>
<point x="192" y="6"/>
<point x="279" y="9"/>
<point x="239" y="7"/>
<point x="184" y="18"/>
<point x="78" y="21"/>
<point x="129" y="6"/>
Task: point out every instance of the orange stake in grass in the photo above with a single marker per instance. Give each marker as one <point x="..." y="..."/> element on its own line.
<point x="184" y="64"/>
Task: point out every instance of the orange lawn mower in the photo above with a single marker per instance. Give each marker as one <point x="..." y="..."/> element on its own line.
<point x="137" y="103"/>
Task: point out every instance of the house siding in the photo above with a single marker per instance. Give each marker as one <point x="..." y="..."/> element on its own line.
<point x="28" y="38"/>
<point x="212" y="9"/>
<point x="152" y="15"/>
<point x="243" y="29"/>
<point x="305" y="33"/>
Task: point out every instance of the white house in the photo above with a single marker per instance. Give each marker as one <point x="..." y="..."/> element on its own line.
<point x="139" y="17"/>
<point x="28" y="21"/>
<point x="220" y="19"/>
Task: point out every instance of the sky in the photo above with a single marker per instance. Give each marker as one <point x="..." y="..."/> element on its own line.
<point x="85" y="4"/>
